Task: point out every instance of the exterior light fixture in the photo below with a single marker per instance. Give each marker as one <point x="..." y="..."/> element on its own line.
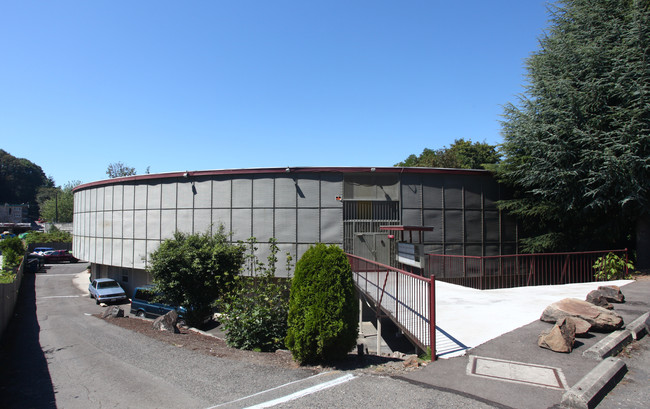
<point x="339" y="198"/>
<point x="372" y="169"/>
<point x="287" y="169"/>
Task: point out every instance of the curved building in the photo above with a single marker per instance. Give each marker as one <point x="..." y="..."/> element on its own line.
<point x="119" y="222"/>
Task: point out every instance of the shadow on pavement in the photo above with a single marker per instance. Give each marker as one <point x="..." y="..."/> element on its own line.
<point x="24" y="376"/>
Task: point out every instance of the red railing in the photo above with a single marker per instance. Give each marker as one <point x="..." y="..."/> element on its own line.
<point x="408" y="299"/>
<point x="517" y="270"/>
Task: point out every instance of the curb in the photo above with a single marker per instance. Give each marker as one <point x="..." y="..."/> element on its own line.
<point x="639" y="327"/>
<point x="590" y="390"/>
<point x="610" y="345"/>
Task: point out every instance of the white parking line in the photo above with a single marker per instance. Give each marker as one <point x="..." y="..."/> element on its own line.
<point x="60" y="296"/>
<point x="304" y="392"/>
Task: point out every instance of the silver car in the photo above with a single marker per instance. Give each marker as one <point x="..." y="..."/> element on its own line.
<point x="106" y="290"/>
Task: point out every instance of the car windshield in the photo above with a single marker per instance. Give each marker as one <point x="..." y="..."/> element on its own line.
<point x="107" y="284"/>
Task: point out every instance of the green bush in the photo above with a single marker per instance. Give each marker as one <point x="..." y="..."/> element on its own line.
<point x="255" y="313"/>
<point x="53" y="236"/>
<point x="612" y="267"/>
<point x="323" y="307"/>
<point x="13" y="251"/>
<point x="194" y="270"/>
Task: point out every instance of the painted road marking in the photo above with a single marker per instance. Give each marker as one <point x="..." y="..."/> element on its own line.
<point x="304" y="392"/>
<point x="59" y="296"/>
<point x="517" y="372"/>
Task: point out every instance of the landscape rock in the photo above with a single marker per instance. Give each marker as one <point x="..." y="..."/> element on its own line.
<point x="114" y="312"/>
<point x="600" y="319"/>
<point x="560" y="338"/>
<point x="411" y="361"/>
<point x="167" y="322"/>
<point x="596" y="297"/>
<point x="612" y="293"/>
<point x="582" y="326"/>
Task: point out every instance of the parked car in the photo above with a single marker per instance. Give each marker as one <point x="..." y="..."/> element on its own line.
<point x="143" y="305"/>
<point x="35" y="262"/>
<point x="59" y="256"/>
<point x="42" y="250"/>
<point x="106" y="290"/>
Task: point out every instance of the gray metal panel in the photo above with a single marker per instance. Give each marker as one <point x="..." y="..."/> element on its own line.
<point x="139" y="253"/>
<point x="331" y="186"/>
<point x="140" y="224"/>
<point x="185" y="195"/>
<point x="221" y="217"/>
<point x="100" y="198"/>
<point x="242" y="193"/>
<point x="492" y="250"/>
<point x="140" y="196"/>
<point x="116" y="254"/>
<point x="127" y="253"/>
<point x="107" y="251"/>
<point x="108" y="224"/>
<point x="453" y="192"/>
<point x="221" y="194"/>
<point x="411" y="191"/>
<point x="432" y="192"/>
<point x="93" y="224"/>
<point x="509" y="229"/>
<point x="117" y="224"/>
<point x="491" y="226"/>
<point x="308" y="190"/>
<point x="433" y="218"/>
<point x="202" y="221"/>
<point x="129" y="195"/>
<point x="91" y="250"/>
<point x="127" y="224"/>
<point x="99" y="250"/>
<point x="99" y="232"/>
<point x="263" y="192"/>
<point x="490" y="193"/>
<point x="169" y="195"/>
<point x="263" y="224"/>
<point x="184" y="222"/>
<point x="118" y="197"/>
<point x="473" y="250"/>
<point x="308" y="226"/>
<point x="285" y="192"/>
<point x="412" y="217"/>
<point x="93" y="198"/>
<point x="283" y="249"/>
<point x="167" y="224"/>
<point x="285" y="225"/>
<point x="241" y="224"/>
<point x="203" y="196"/>
<point x="152" y="245"/>
<point x="154" y="196"/>
<point x="332" y="226"/>
<point x="153" y="224"/>
<point x="108" y="198"/>
<point x="473" y="194"/>
<point x="473" y="223"/>
<point x="454" y="249"/>
<point x="453" y="226"/>
<point x="371" y="186"/>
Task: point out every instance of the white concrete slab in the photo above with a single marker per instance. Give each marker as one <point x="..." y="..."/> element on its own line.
<point x="474" y="317"/>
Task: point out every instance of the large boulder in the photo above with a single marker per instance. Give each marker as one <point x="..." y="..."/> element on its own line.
<point x="167" y="322"/>
<point x="601" y="319"/>
<point x="612" y="293"/>
<point x="596" y="297"/>
<point x="561" y="337"/>
<point x="113" y="311"/>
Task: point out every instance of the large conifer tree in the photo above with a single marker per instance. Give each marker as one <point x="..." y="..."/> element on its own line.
<point x="578" y="143"/>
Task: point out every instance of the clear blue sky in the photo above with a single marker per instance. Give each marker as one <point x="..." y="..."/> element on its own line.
<point x="198" y="85"/>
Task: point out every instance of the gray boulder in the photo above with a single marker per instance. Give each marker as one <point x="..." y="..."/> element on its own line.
<point x="596" y="297"/>
<point x="612" y="293"/>
<point x="167" y="322"/>
<point x="113" y="311"/>
<point x="600" y="319"/>
<point x="560" y="338"/>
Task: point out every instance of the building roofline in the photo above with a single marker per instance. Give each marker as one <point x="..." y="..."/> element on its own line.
<point x="284" y="170"/>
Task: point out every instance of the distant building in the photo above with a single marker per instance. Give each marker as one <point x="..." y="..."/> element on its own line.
<point x="14" y="217"/>
<point x="119" y="222"/>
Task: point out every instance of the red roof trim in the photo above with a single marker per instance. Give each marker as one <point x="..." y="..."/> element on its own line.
<point x="287" y="170"/>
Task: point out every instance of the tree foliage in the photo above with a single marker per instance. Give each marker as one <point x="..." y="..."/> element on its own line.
<point x="20" y="180"/>
<point x="323" y="306"/>
<point x="578" y="143"/>
<point x="119" y="169"/>
<point x="54" y="235"/>
<point x="57" y="204"/>
<point x="255" y="313"/>
<point x="194" y="270"/>
<point x="461" y="154"/>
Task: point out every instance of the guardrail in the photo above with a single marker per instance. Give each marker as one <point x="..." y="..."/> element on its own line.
<point x="517" y="270"/>
<point x="406" y="298"/>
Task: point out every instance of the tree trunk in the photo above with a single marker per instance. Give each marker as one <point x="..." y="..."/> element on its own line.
<point x="643" y="243"/>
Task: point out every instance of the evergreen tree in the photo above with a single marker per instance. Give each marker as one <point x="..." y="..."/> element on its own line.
<point x="578" y="144"/>
<point x="20" y="180"/>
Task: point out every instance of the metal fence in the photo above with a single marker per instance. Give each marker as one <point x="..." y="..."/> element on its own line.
<point x="517" y="270"/>
<point x="407" y="299"/>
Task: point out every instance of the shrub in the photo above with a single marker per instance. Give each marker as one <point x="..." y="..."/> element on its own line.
<point x="323" y="307"/>
<point x="13" y="251"/>
<point x="194" y="270"/>
<point x="255" y="313"/>
<point x="612" y="267"/>
<point x="53" y="236"/>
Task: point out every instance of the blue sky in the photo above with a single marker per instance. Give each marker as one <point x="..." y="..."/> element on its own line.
<point x="201" y="85"/>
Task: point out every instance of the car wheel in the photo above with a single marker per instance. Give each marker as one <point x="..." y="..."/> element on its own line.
<point x="96" y="301"/>
<point x="140" y="314"/>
